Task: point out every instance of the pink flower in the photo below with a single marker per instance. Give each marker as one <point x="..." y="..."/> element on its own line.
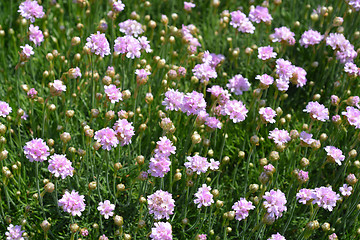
<point x="334" y="154"/>
<point x="265" y="53"/>
<point x="107" y="138"/>
<point x="346" y="190"/>
<point x="279" y="136"/>
<point x="145" y="44"/>
<point x="32" y="93"/>
<point x="351" y="69"/>
<point x="275" y="203"/>
<point x="57" y="87"/>
<point x="75" y="73"/>
<point x="299" y="77"/>
<point x="159" y="166"/>
<point x="193" y="103"/>
<point x="267" y="114"/>
<point x="142" y="75"/>
<point x="214" y="165"/>
<point x="213" y="123"/>
<point x="238" y="84"/>
<point x="35" y="35"/>
<point x="353" y="116"/>
<point x="333" y="237"/>
<point x="284" y="69"/>
<point x="5" y="109"/>
<point x="118" y="6"/>
<point x="36" y="150"/>
<point x="282" y="84"/>
<point x="236" y="110"/>
<point x="219" y="93"/>
<point x="72" y="203"/>
<point x="113" y="93"/>
<point x="124" y="130"/>
<point x="197" y="164"/>
<point x="241" y="22"/>
<point x="98" y="44"/>
<point x="260" y="14"/>
<point x="201" y="237"/>
<point x="310" y="38"/>
<point x="304" y="195"/>
<point x="283" y="35"/>
<point x="317" y="111"/>
<point x="27" y="51"/>
<point x="303" y="176"/>
<point x="59" y="165"/>
<point x="204" y="72"/>
<point x="188" y="6"/>
<point x="106" y="209"/>
<point x="242" y="209"/>
<point x="325" y="197"/>
<point x="31" y="10"/>
<point x="131" y="28"/>
<point x="128" y="45"/>
<point x="164" y="147"/>
<point x="277" y="236"/>
<point x="173" y="100"/>
<point x="306" y="138"/>
<point x="161" y="231"/>
<point x="14" y="232"/>
<point x="344" y="50"/>
<point x="161" y="204"/>
<point x="355" y="4"/>
<point x="265" y="80"/>
<point x="203" y="196"/>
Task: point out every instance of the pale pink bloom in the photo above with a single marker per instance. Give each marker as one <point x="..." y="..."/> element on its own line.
<point x="98" y="44"/>
<point x="203" y="196"/>
<point x="188" y="6"/>
<point x="265" y="53"/>
<point x="214" y="165"/>
<point x="282" y="84"/>
<point x="346" y="190"/>
<point x="36" y="150"/>
<point x="197" y="164"/>
<point x="31" y="10"/>
<point x="260" y="14"/>
<point x="118" y="6"/>
<point x="299" y="77"/>
<point x="304" y="195"/>
<point x="310" y="38"/>
<point x="27" y="51"/>
<point x="5" y="109"/>
<point x="193" y="103"/>
<point x="280" y="137"/>
<point x="283" y="35"/>
<point x="14" y="233"/>
<point x="161" y="231"/>
<point x="238" y="84"/>
<point x="161" y="204"/>
<point x="131" y="27"/>
<point x="333" y="237"/>
<point x="236" y="110"/>
<point x="59" y="165"/>
<point x="277" y="236"/>
<point x="72" y="203"/>
<point x="355" y="4"/>
<point x="306" y="138"/>
<point x="107" y="138"/>
<point x="35" y="35"/>
<point x="267" y="114"/>
<point x="325" y="197"/>
<point x="173" y="100"/>
<point x="113" y="93"/>
<point x="241" y="22"/>
<point x="335" y="154"/>
<point x="265" y="80"/>
<point x="124" y="131"/>
<point x="353" y="116"/>
<point x="275" y="203"/>
<point x="317" y="111"/>
<point x="242" y="209"/>
<point x="106" y="209"/>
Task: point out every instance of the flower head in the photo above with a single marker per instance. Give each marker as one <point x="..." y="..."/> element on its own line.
<point x="317" y="111"/>
<point x="161" y="204"/>
<point x="31" y="10"/>
<point x="267" y="114"/>
<point x="275" y="203"/>
<point x="242" y="209"/>
<point x="124" y="131"/>
<point x="59" y="165"/>
<point x="5" y="109"/>
<point x="107" y="138"/>
<point x="325" y="197"/>
<point x="14" y="232"/>
<point x="345" y="190"/>
<point x="310" y="38"/>
<point x="131" y="28"/>
<point x="353" y="116"/>
<point x="260" y="14"/>
<point x="236" y="110"/>
<point x="266" y="53"/>
<point x="113" y="93"/>
<point x="173" y="100"/>
<point x="73" y="203"/>
<point x="334" y="154"/>
<point x="279" y="136"/>
<point x="283" y="35"/>
<point x="161" y="231"/>
<point x="35" y="35"/>
<point x="238" y="84"/>
<point x="36" y="150"/>
<point x="106" y="209"/>
<point x="241" y="22"/>
<point x="197" y="164"/>
<point x="277" y="236"/>
<point x="203" y="196"/>
<point x="98" y="44"/>
<point x="27" y="51"/>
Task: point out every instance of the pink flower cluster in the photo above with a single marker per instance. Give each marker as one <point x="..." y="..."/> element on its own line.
<point x="161" y="231"/>
<point x="203" y="197"/>
<point x="353" y="116"/>
<point x="131" y="28"/>
<point x="267" y="114"/>
<point x="275" y="203"/>
<point x="118" y="6"/>
<point x="5" y="109"/>
<point x="161" y="204"/>
<point x="59" y="165"/>
<point x="35" y="35"/>
<point x="265" y="80"/>
<point x="188" y="6"/>
<point x="107" y="138"/>
<point x="324" y="197"/>
<point x="27" y="51"/>
<point x="31" y="10"/>
<point x="236" y="110"/>
<point x="14" y="232"/>
<point x="124" y="131"/>
<point x="334" y="154"/>
<point x="344" y="50"/>
<point x="283" y="35"/>
<point x="106" y="209"/>
<point x="317" y="111"/>
<point x="277" y="236"/>
<point x="187" y="32"/>
<point x="98" y="44"/>
<point x="160" y="163"/>
<point x="131" y="46"/>
<point x="355" y="4"/>
<point x="238" y="84"/>
<point x="241" y="22"/>
<point x="310" y="38"/>
<point x="280" y="137"/>
<point x="351" y="69"/>
<point x="72" y="203"/>
<point x="113" y="93"/>
<point x="266" y="53"/>
<point x="288" y="72"/>
<point x="242" y="208"/>
<point x="206" y="70"/>
<point x="36" y="150"/>
<point x="260" y="14"/>
<point x="197" y="164"/>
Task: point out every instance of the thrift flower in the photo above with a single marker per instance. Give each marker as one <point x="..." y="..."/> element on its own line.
<point x="161" y="231"/>
<point x="197" y="164"/>
<point x="59" y="165"/>
<point x="238" y="84"/>
<point x="317" y="111"/>
<point x="279" y="136"/>
<point x="161" y="204"/>
<point x="131" y="28"/>
<point x="113" y="93"/>
<point x="346" y="190"/>
<point x="31" y="10"/>
<point x="106" y="209"/>
<point x="203" y="196"/>
<point x="277" y="236"/>
<point x="124" y="131"/>
<point x="98" y="44"/>
<point x="242" y="209"/>
<point x="107" y="138"/>
<point x="266" y="53"/>
<point x="334" y="154"/>
<point x="310" y="38"/>
<point x="36" y="150"/>
<point x="5" y="109"/>
<point x="325" y="197"/>
<point x="35" y="35"/>
<point x="267" y="114"/>
<point x="236" y="110"/>
<point x="14" y="233"/>
<point x="72" y="203"/>
<point x="275" y="203"/>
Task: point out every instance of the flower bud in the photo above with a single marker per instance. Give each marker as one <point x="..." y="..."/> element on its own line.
<point x="118" y="220"/>
<point x="65" y="137"/>
<point x="92" y="185"/>
<point x="45" y="225"/>
<point x="49" y="187"/>
<point x="74" y="227"/>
